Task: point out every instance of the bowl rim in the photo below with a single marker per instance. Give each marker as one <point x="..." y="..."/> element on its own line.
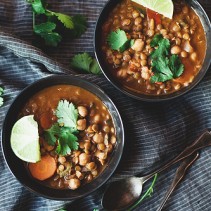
<point x="39" y="85"/>
<point x="140" y="96"/>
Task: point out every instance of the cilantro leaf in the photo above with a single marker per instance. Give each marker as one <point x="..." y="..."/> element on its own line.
<point x="66" y="142"/>
<point x="164" y="67"/>
<point x="94" y="68"/>
<point x="45" y="30"/>
<point x="1" y="98"/>
<point x="80" y="25"/>
<point x="116" y="39"/>
<point x="65" y="19"/>
<point x="128" y="44"/>
<point x="156" y="39"/>
<point x="162" y="50"/>
<point x="85" y="63"/>
<point x="37" y="6"/>
<point x="67" y="115"/>
<point x="51" y="135"/>
<point x="176" y="65"/>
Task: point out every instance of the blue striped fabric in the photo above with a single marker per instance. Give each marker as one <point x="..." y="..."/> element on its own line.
<point x="155" y="133"/>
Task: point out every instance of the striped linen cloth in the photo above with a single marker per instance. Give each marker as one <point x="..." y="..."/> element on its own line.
<point x="155" y="133"/>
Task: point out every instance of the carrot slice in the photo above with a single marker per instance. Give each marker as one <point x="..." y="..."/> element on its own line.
<point x="43" y="169"/>
<point x="154" y="15"/>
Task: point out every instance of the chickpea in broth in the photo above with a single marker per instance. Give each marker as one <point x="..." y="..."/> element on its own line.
<point x="133" y="66"/>
<point x="96" y="135"/>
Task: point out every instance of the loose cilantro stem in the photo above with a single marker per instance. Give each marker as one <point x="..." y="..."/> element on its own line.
<point x="146" y="194"/>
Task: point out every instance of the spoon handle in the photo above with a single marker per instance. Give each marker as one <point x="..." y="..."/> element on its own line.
<point x="180" y="173"/>
<point x="203" y="141"/>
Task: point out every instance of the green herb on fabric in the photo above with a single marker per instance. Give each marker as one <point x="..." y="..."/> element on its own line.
<point x="117" y="40"/>
<point x="75" y="24"/>
<point x="164" y="66"/>
<point x="1" y="98"/>
<point x="63" y="133"/>
<point x="85" y="63"/>
<point x="147" y="194"/>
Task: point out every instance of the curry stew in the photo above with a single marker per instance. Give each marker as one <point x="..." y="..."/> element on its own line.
<point x="133" y="67"/>
<point x="96" y="135"/>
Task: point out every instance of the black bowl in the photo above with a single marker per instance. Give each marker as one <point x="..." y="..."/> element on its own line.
<point x="16" y="166"/>
<point x="151" y="98"/>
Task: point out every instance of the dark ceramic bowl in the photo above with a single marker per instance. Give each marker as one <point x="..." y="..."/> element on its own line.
<point x="150" y="98"/>
<point x="17" y="166"/>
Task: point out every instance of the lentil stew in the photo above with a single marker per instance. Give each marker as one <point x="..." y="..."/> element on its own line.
<point x="133" y="67"/>
<point x="96" y="135"/>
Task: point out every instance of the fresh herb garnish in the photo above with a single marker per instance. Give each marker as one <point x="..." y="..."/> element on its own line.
<point x="148" y="193"/>
<point x="63" y="133"/>
<point x="1" y="98"/>
<point x="47" y="30"/>
<point x="85" y="63"/>
<point x="118" y="40"/>
<point x="164" y="67"/>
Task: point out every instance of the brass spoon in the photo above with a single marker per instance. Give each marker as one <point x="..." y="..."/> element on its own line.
<point x="121" y="194"/>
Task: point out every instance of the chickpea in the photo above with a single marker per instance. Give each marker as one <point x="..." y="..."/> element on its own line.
<point x="193" y="56"/>
<point x="91" y="166"/>
<point x="82" y="110"/>
<point x="159" y="27"/>
<point x="135" y="14"/>
<point x="143" y="62"/>
<point x="94" y="173"/>
<point x="138" y="21"/>
<point x="81" y="124"/>
<point x="138" y="45"/>
<point x="109" y="148"/>
<point x="106" y="128"/>
<point x="163" y="32"/>
<point x="113" y="139"/>
<point x="84" y="159"/>
<point x="97" y="118"/>
<point x="179" y="34"/>
<point x="127" y="57"/>
<point x="81" y="145"/>
<point x="79" y="175"/>
<point x="176" y="27"/>
<point x="175" y="49"/>
<point x="184" y="54"/>
<point x="87" y="146"/>
<point x="178" y="41"/>
<point x="143" y="56"/>
<point x="61" y="168"/>
<point x="95" y="128"/>
<point x="150" y="33"/>
<point x="151" y="24"/>
<point x="126" y="22"/>
<point x="74" y="184"/>
<point x="186" y="36"/>
<point x="101" y="146"/>
<point x="61" y="159"/>
<point x="98" y="138"/>
<point x="89" y="178"/>
<point x="77" y="168"/>
<point x="185" y="9"/>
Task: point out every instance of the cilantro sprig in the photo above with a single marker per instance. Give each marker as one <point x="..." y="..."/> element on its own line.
<point x="147" y="194"/>
<point x="86" y="63"/>
<point x="63" y="133"/>
<point x="164" y="66"/>
<point x="117" y="40"/>
<point x="1" y="98"/>
<point x="48" y="30"/>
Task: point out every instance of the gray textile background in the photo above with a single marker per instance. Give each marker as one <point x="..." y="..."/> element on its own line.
<point x="155" y="133"/>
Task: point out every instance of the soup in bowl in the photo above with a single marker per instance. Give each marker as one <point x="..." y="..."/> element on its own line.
<point x="76" y="130"/>
<point x="149" y="56"/>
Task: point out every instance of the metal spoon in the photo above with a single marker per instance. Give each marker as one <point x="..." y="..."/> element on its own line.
<point x="180" y="173"/>
<point x="121" y="194"/>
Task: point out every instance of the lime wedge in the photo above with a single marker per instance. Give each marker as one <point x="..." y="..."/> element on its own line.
<point x="164" y="7"/>
<point x="24" y="139"/>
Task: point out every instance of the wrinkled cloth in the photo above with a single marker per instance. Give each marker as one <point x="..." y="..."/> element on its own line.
<point x="155" y="133"/>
